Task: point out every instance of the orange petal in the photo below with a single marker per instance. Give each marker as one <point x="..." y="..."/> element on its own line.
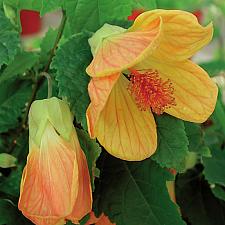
<point x="124" y="130"/>
<point x="99" y="90"/>
<point x="119" y="52"/>
<point x="83" y="203"/>
<point x="50" y="180"/>
<point x="195" y="93"/>
<point x="182" y="35"/>
<point x="93" y="219"/>
<point x="102" y="220"/>
<point x="171" y="190"/>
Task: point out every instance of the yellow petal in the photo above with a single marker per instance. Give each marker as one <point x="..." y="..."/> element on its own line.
<point x="182" y="35"/>
<point x="83" y="202"/>
<point x="195" y="93"/>
<point x="50" y="180"/>
<point x="124" y="130"/>
<point x="119" y="52"/>
<point x="99" y="90"/>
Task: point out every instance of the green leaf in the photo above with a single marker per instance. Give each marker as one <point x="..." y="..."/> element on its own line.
<point x="13" y="96"/>
<point x="21" y="149"/>
<point x="214" y="67"/>
<point x="70" y="61"/>
<point x="7" y="160"/>
<point x="48" y="41"/>
<point x="11" y="184"/>
<point x="172" y="143"/>
<point x="197" y="203"/>
<point x="191" y="160"/>
<point x="84" y="220"/>
<point x="196" y="139"/>
<point x="10" y="214"/>
<point x="21" y="63"/>
<point x="219" y="192"/>
<point x="214" y="167"/>
<point x="188" y="5"/>
<point x="9" y="40"/>
<point x="91" y="149"/>
<point x="218" y="115"/>
<point x="144" y="4"/>
<point x="135" y="193"/>
<point x="42" y="6"/>
<point x="50" y="6"/>
<point x="91" y="15"/>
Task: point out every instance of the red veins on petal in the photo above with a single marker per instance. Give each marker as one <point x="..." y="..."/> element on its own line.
<point x="135" y="14"/>
<point x="150" y="91"/>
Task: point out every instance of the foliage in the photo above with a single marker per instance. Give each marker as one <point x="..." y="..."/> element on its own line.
<point x="136" y="191"/>
<point x="130" y="193"/>
<point x="70" y="62"/>
<point x="171" y="136"/>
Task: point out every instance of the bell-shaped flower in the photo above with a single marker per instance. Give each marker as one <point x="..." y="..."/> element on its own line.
<point x="146" y="69"/>
<point x="55" y="184"/>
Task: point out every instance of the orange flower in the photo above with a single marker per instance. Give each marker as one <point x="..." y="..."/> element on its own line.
<point x="146" y="68"/>
<point x="102" y="220"/>
<point x="55" y="185"/>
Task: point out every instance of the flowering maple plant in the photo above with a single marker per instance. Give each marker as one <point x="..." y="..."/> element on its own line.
<point x="131" y="132"/>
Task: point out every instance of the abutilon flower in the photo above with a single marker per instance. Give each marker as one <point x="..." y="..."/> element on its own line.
<point x="146" y="69"/>
<point x="101" y="220"/>
<point x="55" y="184"/>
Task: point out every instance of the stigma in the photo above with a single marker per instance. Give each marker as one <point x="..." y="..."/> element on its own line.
<point x="150" y="91"/>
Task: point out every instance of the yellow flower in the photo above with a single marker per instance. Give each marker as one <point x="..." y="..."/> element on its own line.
<point x="55" y="185"/>
<point x="146" y="68"/>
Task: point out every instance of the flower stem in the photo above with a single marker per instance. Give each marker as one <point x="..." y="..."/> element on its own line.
<point x="40" y="81"/>
<point x="45" y="74"/>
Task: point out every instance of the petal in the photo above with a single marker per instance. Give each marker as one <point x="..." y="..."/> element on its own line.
<point x="93" y="219"/>
<point x="182" y="35"/>
<point x="99" y="90"/>
<point x="83" y="203"/>
<point x="195" y="93"/>
<point x="119" y="52"/>
<point x="171" y="190"/>
<point x="44" y="111"/>
<point x="50" y="180"/>
<point x="124" y="130"/>
<point x="102" y="220"/>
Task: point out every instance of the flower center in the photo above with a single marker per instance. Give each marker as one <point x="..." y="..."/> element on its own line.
<point x="150" y="91"/>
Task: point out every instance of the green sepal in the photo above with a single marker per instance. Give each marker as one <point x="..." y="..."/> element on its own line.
<point x="53" y="111"/>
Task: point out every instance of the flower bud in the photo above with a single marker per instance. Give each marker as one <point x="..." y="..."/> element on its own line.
<point x="55" y="185"/>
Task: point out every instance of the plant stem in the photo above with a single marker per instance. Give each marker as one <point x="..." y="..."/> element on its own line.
<point x="40" y="81"/>
<point x="59" y="35"/>
<point x="46" y="75"/>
